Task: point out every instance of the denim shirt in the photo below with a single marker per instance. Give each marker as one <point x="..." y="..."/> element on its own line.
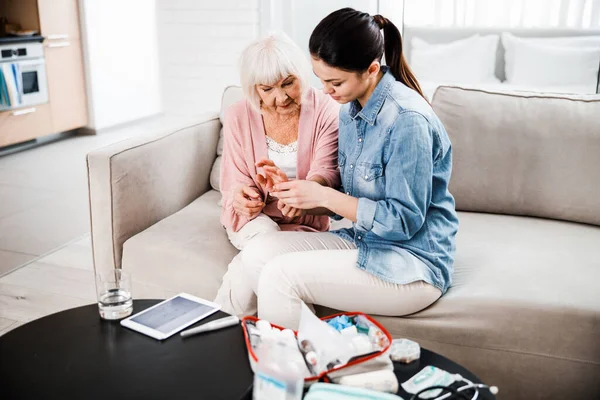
<point x="395" y="157"/>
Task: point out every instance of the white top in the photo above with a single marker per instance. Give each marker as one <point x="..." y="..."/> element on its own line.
<point x="284" y="156"/>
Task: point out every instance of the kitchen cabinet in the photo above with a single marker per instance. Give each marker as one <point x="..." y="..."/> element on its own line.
<point x="59" y="19"/>
<point x="24" y="124"/>
<point x="66" y="84"/>
<point x="59" y="23"/>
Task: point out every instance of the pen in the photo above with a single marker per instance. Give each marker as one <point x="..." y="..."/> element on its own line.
<point x="212" y="326"/>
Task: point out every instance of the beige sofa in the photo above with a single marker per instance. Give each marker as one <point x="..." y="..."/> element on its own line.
<point x="523" y="312"/>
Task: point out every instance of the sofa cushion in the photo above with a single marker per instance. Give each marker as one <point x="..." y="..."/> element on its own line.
<point x="215" y="174"/>
<point x="221" y="143"/>
<point x="524" y="288"/>
<point x="187" y="251"/>
<point x="523" y="153"/>
<point x="231" y="95"/>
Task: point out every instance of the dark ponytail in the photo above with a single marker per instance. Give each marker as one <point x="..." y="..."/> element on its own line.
<point x="351" y="40"/>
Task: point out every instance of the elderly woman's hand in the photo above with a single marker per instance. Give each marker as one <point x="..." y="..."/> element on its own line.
<point x="289" y="211"/>
<point x="247" y="202"/>
<point x="272" y="174"/>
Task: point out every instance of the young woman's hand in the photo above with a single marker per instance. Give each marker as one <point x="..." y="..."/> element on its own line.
<point x="247" y="202"/>
<point x="301" y="194"/>
<point x="272" y="174"/>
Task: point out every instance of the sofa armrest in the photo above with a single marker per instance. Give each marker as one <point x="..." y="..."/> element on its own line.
<point x="137" y="182"/>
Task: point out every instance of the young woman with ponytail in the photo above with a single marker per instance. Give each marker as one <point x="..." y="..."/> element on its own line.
<point x="395" y="163"/>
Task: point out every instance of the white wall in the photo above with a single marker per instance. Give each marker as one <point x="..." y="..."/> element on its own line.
<point x="298" y="18"/>
<point x="121" y="58"/>
<point x="200" y="42"/>
<point x="578" y="14"/>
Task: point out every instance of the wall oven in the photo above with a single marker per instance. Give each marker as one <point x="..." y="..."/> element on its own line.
<point x="22" y="76"/>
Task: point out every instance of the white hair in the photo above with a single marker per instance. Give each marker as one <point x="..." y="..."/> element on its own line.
<point x="269" y="60"/>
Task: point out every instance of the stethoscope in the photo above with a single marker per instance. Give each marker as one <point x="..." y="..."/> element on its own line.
<point x="458" y="392"/>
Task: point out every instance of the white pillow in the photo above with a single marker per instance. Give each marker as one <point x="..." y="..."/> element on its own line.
<point x="562" y="41"/>
<point x="537" y="62"/>
<point x="418" y="43"/>
<point x="470" y="60"/>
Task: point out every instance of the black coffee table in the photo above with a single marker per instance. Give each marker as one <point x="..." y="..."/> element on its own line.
<point x="74" y="354"/>
<point x="405" y="371"/>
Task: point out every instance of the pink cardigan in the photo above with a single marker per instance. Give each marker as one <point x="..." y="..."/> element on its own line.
<point x="245" y="144"/>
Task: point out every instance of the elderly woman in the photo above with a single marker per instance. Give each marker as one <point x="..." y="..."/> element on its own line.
<point x="285" y="125"/>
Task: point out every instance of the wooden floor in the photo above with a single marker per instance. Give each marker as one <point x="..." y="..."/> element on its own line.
<point x="61" y="280"/>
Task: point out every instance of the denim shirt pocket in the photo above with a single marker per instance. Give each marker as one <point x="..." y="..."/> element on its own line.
<point x="370" y="180"/>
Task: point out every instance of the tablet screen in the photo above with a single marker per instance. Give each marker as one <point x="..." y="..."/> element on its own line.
<point x="172" y="315"/>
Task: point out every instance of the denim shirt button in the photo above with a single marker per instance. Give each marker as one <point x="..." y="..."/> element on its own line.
<point x="359" y="237"/>
<point x="348" y="193"/>
<point x="351" y="166"/>
<point x="360" y="139"/>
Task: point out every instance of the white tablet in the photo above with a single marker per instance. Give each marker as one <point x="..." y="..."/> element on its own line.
<point x="170" y="316"/>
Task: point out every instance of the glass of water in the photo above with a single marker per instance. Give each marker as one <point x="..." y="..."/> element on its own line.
<point x="113" y="289"/>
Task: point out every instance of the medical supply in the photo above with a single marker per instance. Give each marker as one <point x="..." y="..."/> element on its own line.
<point x="452" y="391"/>
<point x="280" y="372"/>
<point x="340" y="322"/>
<point x="350" y="331"/>
<point x="405" y="351"/>
<point x="306" y="346"/>
<point x="362" y="344"/>
<point x="362" y="324"/>
<point x="383" y="381"/>
<point x="321" y="391"/>
<point x="253" y="334"/>
<point x="288" y="334"/>
<point x="335" y="364"/>
<point x="263" y="325"/>
<point x="252" y="329"/>
<point x="427" y="377"/>
<point x="377" y="337"/>
<point x="311" y="358"/>
<point x="328" y="344"/>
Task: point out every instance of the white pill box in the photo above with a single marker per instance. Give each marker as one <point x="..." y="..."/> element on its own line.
<point x="405" y="351"/>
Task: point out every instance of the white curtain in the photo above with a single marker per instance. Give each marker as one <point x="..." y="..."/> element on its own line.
<point x="577" y="14"/>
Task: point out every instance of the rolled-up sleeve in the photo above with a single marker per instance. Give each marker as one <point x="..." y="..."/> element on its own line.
<point x="365" y="213"/>
<point x="408" y="182"/>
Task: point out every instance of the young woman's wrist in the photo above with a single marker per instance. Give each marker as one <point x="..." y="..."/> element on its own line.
<point x="328" y="193"/>
<point x="332" y="199"/>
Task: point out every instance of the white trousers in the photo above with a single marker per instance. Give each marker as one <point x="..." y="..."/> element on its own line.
<point x="234" y="296"/>
<point x="284" y="269"/>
